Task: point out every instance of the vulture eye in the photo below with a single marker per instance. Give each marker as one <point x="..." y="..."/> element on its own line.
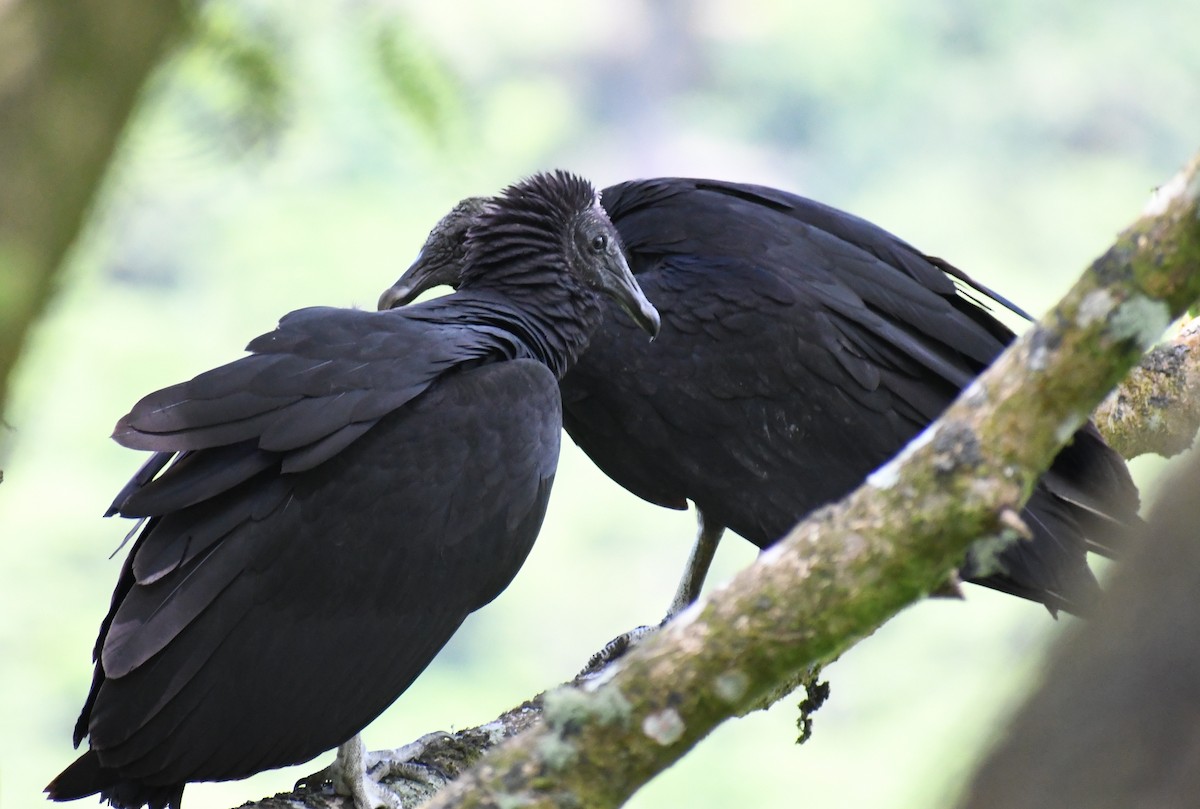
<point x="599" y="243"/>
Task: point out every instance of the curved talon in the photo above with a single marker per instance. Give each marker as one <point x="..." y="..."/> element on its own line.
<point x="615" y="649"/>
<point x="371" y="790"/>
<point x="403" y="762"/>
<point x="319" y="781"/>
<point x="351" y="778"/>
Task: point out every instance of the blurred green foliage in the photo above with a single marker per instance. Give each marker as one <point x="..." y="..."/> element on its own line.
<point x="420" y="83"/>
<point x="235" y="71"/>
<point x="296" y="155"/>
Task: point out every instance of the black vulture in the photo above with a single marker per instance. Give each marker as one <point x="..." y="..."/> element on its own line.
<point x="335" y="504"/>
<point x="801" y="348"/>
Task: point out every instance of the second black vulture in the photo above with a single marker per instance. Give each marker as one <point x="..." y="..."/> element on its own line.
<point x="801" y="348"/>
<point x="338" y="502"/>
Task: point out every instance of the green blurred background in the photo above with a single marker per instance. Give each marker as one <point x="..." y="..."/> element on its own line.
<point x="297" y="155"/>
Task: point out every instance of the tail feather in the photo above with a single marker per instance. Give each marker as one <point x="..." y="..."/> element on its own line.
<point x="1086" y="502"/>
<point x="1092" y="479"/>
<point x="87" y="776"/>
<point x="1050" y="567"/>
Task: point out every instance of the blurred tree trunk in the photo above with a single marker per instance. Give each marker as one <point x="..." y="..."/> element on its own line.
<point x="69" y="76"/>
<point x="1116" y="720"/>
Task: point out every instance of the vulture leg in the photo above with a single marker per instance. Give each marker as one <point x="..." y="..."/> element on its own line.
<point x="368" y="790"/>
<point x="404" y="762"/>
<point x="615" y="649"/>
<point x="350" y="777"/>
<point x="708" y="536"/>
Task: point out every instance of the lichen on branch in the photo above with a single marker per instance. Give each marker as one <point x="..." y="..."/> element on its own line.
<point x="1156" y="409"/>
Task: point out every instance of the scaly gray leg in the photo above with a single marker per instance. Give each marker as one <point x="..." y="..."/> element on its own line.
<point x="707" y="538"/>
<point x="698" y="563"/>
<point x="350" y="777"/>
<point x="360" y="775"/>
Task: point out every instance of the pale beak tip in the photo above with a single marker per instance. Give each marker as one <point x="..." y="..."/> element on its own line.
<point x="394" y="296"/>
<point x="649" y="319"/>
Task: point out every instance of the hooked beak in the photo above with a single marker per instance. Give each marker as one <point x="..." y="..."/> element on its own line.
<point x="617" y="282"/>
<point x="441" y="257"/>
<point x="424" y="273"/>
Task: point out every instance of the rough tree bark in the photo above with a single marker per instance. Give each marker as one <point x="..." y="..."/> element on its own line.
<point x="848" y="568"/>
<point x="1156" y="409"/>
<point x="69" y="76"/>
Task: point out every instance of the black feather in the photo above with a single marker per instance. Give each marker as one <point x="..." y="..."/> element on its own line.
<point x="340" y="500"/>
<point x="801" y="347"/>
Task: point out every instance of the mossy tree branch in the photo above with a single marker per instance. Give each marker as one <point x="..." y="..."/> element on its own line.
<point x="1156" y="409"/>
<point x="844" y="571"/>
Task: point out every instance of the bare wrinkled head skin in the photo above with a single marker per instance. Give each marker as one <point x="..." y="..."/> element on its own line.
<point x="596" y="248"/>
<point x="594" y="245"/>
<point x="441" y="257"/>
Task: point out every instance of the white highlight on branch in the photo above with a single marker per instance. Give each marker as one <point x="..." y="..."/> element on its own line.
<point x="1141" y="318"/>
<point x="664" y="727"/>
<point x="731" y="686"/>
<point x="1165" y="194"/>
<point x="885" y="477"/>
<point x="1067" y="427"/>
<point x="1095" y="306"/>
